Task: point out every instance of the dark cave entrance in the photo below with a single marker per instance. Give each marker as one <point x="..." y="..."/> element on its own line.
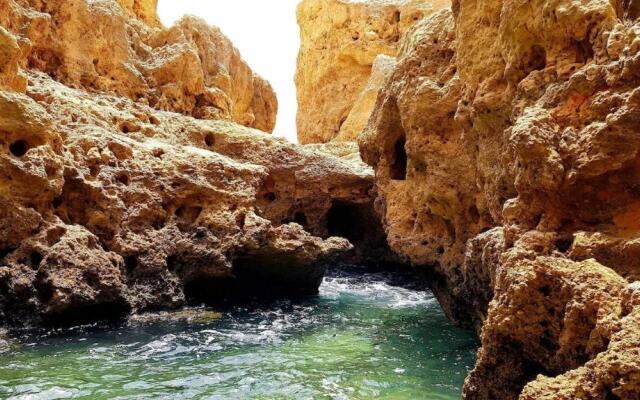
<point x="360" y="225"/>
<point x="19" y="148"/>
<point x="398" y="167"/>
<point x="344" y="220"/>
<point x="395" y="148"/>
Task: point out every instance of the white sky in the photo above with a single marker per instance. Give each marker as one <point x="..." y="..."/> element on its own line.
<point x="267" y="35"/>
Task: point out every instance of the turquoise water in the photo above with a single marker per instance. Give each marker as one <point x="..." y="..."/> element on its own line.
<point x="363" y="337"/>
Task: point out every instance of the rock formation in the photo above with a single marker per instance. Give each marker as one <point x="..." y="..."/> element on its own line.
<point x="506" y="150"/>
<point x="125" y="183"/>
<point x="341" y="39"/>
<point x="98" y="46"/>
<point x="504" y="140"/>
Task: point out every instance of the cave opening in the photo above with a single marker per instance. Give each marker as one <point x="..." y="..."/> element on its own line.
<point x="19" y="148"/>
<point x="343" y="221"/>
<point x="398" y="167"/>
<point x="210" y="140"/>
<point x="35" y="259"/>
<point x="537" y="59"/>
<point x="360" y="225"/>
<point x="301" y="219"/>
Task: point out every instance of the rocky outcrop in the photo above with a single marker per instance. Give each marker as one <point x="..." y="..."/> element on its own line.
<point x="120" y="48"/>
<point x="340" y="42"/>
<point x="112" y="202"/>
<point x="506" y="150"/>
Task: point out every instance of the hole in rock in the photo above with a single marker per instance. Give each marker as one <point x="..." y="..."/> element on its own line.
<point x="57" y="202"/>
<point x="44" y="290"/>
<point x="270" y="197"/>
<point x="564" y="245"/>
<point x="300" y="218"/>
<point x="123" y="178"/>
<point x="130" y="263"/>
<point x="241" y="219"/>
<point x="584" y="51"/>
<point x="538" y="59"/>
<point x="158" y="222"/>
<point x="210" y="140"/>
<point x="188" y="214"/>
<point x="398" y="168"/>
<point x="129" y="127"/>
<point x="342" y="221"/>
<point x="6" y="251"/>
<point x="201" y="233"/>
<point x="172" y="263"/>
<point x="158" y="153"/>
<point x="92" y="280"/>
<point x="546" y="290"/>
<point x="395" y="149"/>
<point x="19" y="148"/>
<point x="35" y="259"/>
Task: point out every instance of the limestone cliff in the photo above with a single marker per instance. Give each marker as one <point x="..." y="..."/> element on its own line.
<point x="111" y="201"/>
<point x="506" y="150"/>
<point x="120" y="48"/>
<point x="340" y="42"/>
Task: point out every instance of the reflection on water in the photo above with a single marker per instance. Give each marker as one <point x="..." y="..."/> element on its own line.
<point x="363" y="337"/>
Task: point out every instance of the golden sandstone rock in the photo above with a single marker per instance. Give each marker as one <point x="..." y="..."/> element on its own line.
<point x="340" y="41"/>
<point x="190" y="68"/>
<point x="111" y="201"/>
<point x="506" y="150"/>
<point x="504" y="140"/>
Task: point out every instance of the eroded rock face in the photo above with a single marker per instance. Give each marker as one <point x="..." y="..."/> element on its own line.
<point x="505" y="144"/>
<point x="119" y="47"/>
<point x="110" y="205"/>
<point x="340" y="42"/>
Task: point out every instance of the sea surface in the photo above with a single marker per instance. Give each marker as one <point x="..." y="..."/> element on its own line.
<point x="365" y="336"/>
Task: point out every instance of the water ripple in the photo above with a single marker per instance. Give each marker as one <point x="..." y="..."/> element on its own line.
<point x="363" y="337"/>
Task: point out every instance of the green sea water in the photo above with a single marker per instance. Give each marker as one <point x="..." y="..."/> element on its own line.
<point x="363" y="337"/>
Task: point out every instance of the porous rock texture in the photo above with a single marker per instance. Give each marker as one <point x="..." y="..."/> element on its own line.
<point x="113" y="201"/>
<point x="120" y="48"/>
<point x="338" y="77"/>
<point x="506" y="144"/>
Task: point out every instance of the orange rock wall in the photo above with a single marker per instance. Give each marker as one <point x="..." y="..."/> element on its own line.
<point x="505" y="144"/>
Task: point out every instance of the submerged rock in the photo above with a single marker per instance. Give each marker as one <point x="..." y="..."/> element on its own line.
<point x="197" y="316"/>
<point x="506" y="154"/>
<point x="5" y="345"/>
